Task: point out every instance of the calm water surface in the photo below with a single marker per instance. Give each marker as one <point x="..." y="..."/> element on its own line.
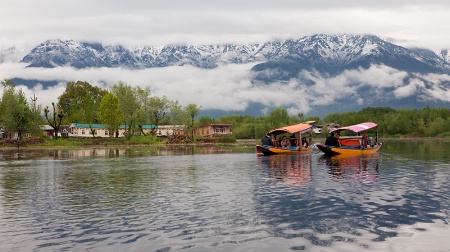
<point x="214" y="199"/>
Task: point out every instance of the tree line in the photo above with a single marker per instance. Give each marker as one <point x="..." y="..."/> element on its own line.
<point x="134" y="107"/>
<point x="81" y="102"/>
<point x="426" y="122"/>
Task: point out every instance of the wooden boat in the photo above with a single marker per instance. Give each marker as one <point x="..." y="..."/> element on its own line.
<point x="295" y="133"/>
<point x="357" y="143"/>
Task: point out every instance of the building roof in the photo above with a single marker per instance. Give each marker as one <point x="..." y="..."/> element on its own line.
<point x="46" y="127"/>
<point x="103" y="126"/>
<point x="216" y="124"/>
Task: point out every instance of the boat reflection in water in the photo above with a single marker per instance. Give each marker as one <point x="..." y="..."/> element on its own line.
<point x="292" y="170"/>
<point x="362" y="168"/>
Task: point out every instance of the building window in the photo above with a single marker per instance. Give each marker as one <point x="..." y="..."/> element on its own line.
<point x="106" y="133"/>
<point x="220" y="130"/>
<point x="82" y="132"/>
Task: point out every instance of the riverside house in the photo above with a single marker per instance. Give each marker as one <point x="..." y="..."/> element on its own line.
<point x="214" y="130"/>
<point x="84" y="130"/>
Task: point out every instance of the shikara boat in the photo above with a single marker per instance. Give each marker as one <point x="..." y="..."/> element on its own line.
<point x="295" y="134"/>
<point x="354" y="140"/>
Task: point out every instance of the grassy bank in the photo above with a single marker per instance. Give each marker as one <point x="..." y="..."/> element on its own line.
<point x="107" y="142"/>
<point x="81" y="142"/>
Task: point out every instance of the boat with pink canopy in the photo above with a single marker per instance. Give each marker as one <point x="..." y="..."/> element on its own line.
<point x="355" y="139"/>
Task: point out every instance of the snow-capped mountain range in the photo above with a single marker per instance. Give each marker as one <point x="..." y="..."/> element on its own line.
<point x="281" y="61"/>
<point x="329" y="55"/>
<point x="54" y="53"/>
<point x="335" y="51"/>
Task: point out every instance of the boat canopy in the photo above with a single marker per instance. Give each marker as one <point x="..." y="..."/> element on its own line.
<point x="297" y="128"/>
<point x="359" y="127"/>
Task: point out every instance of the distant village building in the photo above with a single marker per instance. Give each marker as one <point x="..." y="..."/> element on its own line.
<point x="101" y="130"/>
<point x="47" y="130"/>
<point x="214" y="130"/>
<point x="167" y="130"/>
<point x="84" y="130"/>
<point x="5" y="134"/>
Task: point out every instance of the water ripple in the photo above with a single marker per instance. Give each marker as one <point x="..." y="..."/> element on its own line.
<point x="220" y="202"/>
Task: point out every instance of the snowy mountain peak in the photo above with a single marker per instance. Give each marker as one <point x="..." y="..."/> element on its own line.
<point x="11" y="54"/>
<point x="323" y="52"/>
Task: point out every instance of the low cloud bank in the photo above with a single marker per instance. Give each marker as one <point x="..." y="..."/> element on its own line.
<point x="229" y="87"/>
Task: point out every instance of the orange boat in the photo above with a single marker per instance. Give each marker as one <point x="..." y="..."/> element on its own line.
<point x="356" y="143"/>
<point x="295" y="133"/>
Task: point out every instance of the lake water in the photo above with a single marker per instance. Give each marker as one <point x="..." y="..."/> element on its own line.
<point x="225" y="199"/>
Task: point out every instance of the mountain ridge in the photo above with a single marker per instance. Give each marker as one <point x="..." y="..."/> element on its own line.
<point x="59" y="52"/>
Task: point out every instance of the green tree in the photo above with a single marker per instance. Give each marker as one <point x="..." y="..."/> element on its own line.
<point x="110" y="113"/>
<point x="16" y="114"/>
<point x="143" y="98"/>
<point x="243" y="125"/>
<point x="176" y="113"/>
<point x="129" y="106"/>
<point x="206" y="120"/>
<point x="80" y="102"/>
<point x="436" y="127"/>
<point x="301" y="117"/>
<point x="278" y="118"/>
<point x="5" y="84"/>
<point x="192" y="110"/>
<point x="158" y="110"/>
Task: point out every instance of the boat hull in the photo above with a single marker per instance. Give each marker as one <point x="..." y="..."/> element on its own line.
<point x="268" y="150"/>
<point x="330" y="150"/>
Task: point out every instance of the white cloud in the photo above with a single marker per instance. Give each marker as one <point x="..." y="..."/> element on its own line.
<point x="440" y="89"/>
<point x="229" y="87"/>
<point x="409" y="89"/>
<point x="28" y="22"/>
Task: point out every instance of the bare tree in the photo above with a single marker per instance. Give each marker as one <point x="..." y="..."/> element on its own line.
<point x="55" y="120"/>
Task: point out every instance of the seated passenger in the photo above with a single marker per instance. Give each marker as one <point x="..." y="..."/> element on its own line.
<point x="275" y="141"/>
<point x="305" y="142"/>
<point x="293" y="140"/>
<point x="285" y="143"/>
<point x="266" y="140"/>
<point x="332" y="140"/>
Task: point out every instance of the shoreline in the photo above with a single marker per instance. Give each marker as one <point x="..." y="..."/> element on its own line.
<point x="240" y="142"/>
<point x="243" y="142"/>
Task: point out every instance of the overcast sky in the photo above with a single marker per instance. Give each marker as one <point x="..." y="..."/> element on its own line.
<point x="27" y="23"/>
<point x="148" y="22"/>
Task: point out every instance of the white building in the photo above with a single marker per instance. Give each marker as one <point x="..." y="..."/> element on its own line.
<point x="101" y="130"/>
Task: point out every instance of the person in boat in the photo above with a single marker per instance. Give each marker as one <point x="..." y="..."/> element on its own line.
<point x="275" y="142"/>
<point x="305" y="142"/>
<point x="293" y="140"/>
<point x="285" y="143"/>
<point x="266" y="140"/>
<point x="332" y="140"/>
